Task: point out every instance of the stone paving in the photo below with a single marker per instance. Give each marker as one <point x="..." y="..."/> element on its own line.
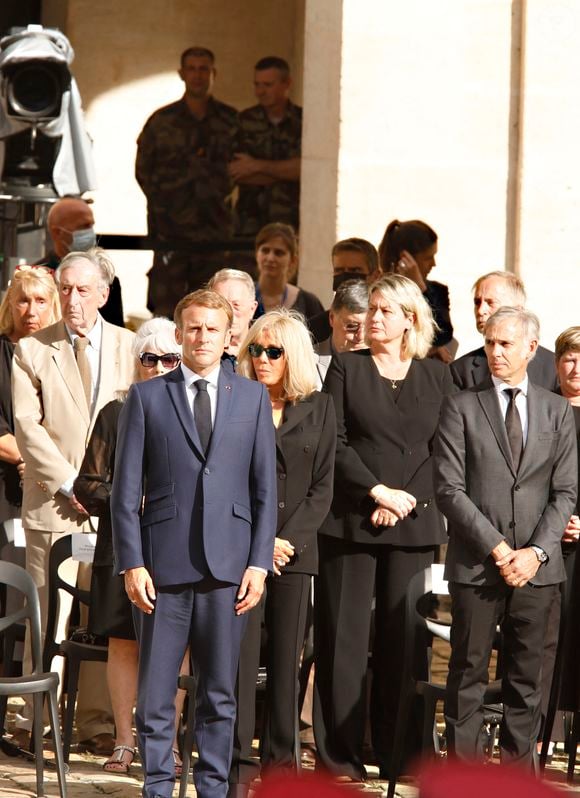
<point x="87" y="780"/>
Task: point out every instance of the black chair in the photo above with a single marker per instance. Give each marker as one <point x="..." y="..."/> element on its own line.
<point x="14" y="634"/>
<point x="419" y="632"/>
<point x="73" y="651"/>
<point x="11" y="636"/>
<point x="37" y="683"/>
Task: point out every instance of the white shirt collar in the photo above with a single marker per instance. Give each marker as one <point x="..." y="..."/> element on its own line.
<point x="94" y="335"/>
<point x="190" y="376"/>
<point x="500" y="385"/>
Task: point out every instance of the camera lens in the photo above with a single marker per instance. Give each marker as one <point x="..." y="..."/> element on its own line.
<point x="35" y="91"/>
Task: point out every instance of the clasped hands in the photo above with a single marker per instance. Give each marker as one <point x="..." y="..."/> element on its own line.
<point x="517" y="566"/>
<point x="392" y="505"/>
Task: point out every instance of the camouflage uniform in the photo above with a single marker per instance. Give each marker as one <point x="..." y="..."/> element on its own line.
<point x="182" y="168"/>
<point x="260" y="138"/>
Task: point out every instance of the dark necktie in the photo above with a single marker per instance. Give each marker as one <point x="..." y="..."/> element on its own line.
<point x="513" y="425"/>
<point x="84" y="367"/>
<point x="202" y="413"/>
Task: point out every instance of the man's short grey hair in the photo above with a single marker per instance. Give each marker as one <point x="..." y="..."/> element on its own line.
<point x="156" y="335"/>
<point x="512" y="281"/>
<point x="97" y="257"/>
<point x="233" y="274"/>
<point x="528" y="321"/>
<point x="353" y="296"/>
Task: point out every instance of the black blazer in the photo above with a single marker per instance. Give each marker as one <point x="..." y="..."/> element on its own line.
<point x="437" y="295"/>
<point x="10" y="490"/>
<point x="93" y="485"/>
<point x="472" y="369"/>
<point x="305" y="450"/>
<point x="380" y="441"/>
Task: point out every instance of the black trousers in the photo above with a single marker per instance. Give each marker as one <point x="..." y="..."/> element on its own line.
<point x="285" y="610"/>
<point x="523" y="614"/>
<point x="350" y="574"/>
<point x="565" y="601"/>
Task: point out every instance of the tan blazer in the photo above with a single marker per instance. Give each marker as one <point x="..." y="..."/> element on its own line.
<point x="52" y="422"/>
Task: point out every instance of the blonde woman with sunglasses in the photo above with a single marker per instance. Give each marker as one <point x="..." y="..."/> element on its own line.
<point x="278" y="353"/>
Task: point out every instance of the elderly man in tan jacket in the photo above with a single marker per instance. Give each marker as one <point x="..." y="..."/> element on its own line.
<point x="62" y="377"/>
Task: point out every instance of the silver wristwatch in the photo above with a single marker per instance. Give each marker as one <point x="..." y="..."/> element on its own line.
<point x="540" y="554"/>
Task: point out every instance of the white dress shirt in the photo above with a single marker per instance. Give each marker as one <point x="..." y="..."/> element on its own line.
<point x="521" y="400"/>
<point x="212" y="378"/>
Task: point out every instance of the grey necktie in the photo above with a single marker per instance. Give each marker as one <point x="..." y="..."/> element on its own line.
<point x="513" y="425"/>
<point x="84" y="367"/>
<point x="202" y="413"/>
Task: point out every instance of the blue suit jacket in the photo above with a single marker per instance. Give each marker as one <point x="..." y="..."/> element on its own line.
<point x="184" y="516"/>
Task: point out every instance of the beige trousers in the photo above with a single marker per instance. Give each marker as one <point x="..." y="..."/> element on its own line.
<point x="94" y="714"/>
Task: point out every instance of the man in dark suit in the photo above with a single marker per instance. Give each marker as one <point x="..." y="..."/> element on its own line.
<point x="196" y="452"/>
<point x="347" y="317"/>
<point x="352" y="259"/>
<point x="491" y="292"/>
<point x="505" y="476"/>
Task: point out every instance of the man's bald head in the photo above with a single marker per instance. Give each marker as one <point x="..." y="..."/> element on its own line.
<point x="65" y="217"/>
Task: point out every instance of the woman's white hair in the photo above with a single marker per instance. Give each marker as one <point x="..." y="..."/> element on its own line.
<point x="287" y="329"/>
<point x="405" y="293"/>
<point x="156" y="335"/>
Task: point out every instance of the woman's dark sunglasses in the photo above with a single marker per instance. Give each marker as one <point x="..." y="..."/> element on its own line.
<point x="272" y="352"/>
<point x="149" y="360"/>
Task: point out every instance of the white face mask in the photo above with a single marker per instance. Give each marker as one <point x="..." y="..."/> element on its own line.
<point x="82" y="240"/>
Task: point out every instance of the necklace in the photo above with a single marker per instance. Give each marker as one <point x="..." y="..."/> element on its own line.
<point x="394" y="384"/>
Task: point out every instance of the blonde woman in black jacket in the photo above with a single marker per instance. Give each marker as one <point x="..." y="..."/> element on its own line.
<point x="278" y="353"/>
<point x="383" y="526"/>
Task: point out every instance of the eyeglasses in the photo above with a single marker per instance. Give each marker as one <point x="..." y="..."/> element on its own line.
<point x="272" y="352"/>
<point x="149" y="360"/>
<point x="352" y="327"/>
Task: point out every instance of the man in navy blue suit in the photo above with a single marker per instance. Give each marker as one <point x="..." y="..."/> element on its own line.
<point x="194" y="518"/>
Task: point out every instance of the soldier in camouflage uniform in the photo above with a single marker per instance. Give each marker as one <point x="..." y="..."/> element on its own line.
<point x="267" y="168"/>
<point x="182" y="157"/>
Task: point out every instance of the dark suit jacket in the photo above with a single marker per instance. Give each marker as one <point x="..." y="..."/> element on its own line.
<point x="93" y="485"/>
<point x="10" y="490"/>
<point x="437" y="295"/>
<point x="305" y="449"/>
<point x="486" y="500"/>
<point x="182" y="515"/>
<point x="380" y="441"/>
<point x="319" y="326"/>
<point x="472" y="369"/>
